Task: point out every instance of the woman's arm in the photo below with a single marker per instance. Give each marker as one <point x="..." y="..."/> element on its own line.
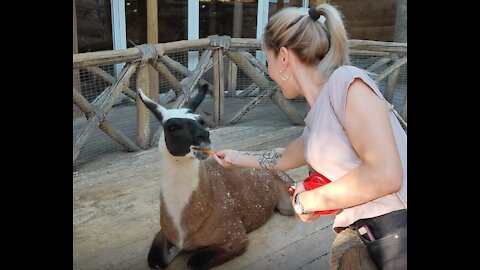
<point x="275" y="159"/>
<point x="368" y="127"/>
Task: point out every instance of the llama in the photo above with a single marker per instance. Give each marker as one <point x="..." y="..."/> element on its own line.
<point x="204" y="207"/>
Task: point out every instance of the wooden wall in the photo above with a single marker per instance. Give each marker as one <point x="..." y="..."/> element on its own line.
<point x="368" y="19"/>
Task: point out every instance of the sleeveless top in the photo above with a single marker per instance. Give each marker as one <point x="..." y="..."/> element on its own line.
<point x="328" y="150"/>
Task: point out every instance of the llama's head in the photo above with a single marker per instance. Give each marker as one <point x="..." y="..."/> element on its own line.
<point x="184" y="131"/>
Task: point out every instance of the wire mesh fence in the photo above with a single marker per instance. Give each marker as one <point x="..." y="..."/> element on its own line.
<point x="118" y="131"/>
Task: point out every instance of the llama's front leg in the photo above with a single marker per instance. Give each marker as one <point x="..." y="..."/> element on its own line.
<point x="214" y="255"/>
<point x="284" y="202"/>
<point x="162" y="252"/>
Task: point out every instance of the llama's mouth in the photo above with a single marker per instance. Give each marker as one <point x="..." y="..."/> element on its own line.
<point x="202" y="152"/>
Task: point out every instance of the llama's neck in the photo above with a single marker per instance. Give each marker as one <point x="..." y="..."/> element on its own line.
<point x="180" y="178"/>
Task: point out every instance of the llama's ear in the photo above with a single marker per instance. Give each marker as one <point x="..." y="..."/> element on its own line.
<point x="155" y="108"/>
<point x="194" y="102"/>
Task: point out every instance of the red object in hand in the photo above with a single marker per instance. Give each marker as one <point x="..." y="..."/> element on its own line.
<point x="313" y="181"/>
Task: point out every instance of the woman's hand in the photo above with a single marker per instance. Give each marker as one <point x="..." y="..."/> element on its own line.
<point x="309" y="217"/>
<point x="226" y="157"/>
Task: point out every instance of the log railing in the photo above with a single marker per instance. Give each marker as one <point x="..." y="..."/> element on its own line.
<point x="214" y="50"/>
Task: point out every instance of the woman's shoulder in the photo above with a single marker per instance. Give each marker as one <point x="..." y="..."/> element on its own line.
<point x="347" y="71"/>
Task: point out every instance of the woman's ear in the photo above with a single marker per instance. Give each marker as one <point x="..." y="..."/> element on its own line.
<point x="283" y="54"/>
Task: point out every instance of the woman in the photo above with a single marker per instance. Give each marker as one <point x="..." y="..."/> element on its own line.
<point x="351" y="136"/>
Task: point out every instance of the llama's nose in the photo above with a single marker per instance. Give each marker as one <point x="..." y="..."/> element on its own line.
<point x="203" y="136"/>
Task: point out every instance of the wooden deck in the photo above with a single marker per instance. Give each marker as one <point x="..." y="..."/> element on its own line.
<point x="116" y="205"/>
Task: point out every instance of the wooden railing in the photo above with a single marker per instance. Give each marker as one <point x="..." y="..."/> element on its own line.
<point x="214" y="49"/>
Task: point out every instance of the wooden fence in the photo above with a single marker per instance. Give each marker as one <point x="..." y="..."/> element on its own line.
<point x="152" y="60"/>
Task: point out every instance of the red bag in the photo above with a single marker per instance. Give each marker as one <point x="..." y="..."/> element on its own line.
<point x="313" y="181"/>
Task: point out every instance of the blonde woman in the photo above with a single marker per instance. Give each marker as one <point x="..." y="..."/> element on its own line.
<point x="351" y="137"/>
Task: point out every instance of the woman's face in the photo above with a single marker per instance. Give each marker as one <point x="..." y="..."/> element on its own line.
<point x="273" y="69"/>
<point x="275" y="64"/>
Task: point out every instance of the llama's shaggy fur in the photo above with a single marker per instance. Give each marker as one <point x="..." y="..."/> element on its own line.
<point x="204" y="207"/>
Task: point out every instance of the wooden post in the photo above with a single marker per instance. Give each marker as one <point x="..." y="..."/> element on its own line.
<point x="237" y="19"/>
<point x="218" y="86"/>
<point x="152" y="38"/>
<point x="76" y="73"/>
<point x="143" y="115"/>
<point x="232" y="78"/>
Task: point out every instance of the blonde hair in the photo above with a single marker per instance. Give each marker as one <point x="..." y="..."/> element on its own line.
<point x="324" y="44"/>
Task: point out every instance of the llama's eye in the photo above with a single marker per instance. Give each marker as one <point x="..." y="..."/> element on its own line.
<point x="173" y="127"/>
<point x="203" y="123"/>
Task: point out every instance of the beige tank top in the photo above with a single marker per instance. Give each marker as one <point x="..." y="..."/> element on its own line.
<point x="329" y="152"/>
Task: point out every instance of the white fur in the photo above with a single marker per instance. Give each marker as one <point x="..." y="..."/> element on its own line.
<point x="172" y="113"/>
<point x="178" y="113"/>
<point x="179" y="181"/>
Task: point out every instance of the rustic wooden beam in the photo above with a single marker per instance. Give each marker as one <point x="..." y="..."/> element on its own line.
<point x="103" y="106"/>
<point x="178" y="67"/>
<point x="194" y="78"/>
<point x="288" y="109"/>
<point x="232" y="78"/>
<point x="369" y="53"/>
<point x="255" y="62"/>
<point x="82" y="103"/>
<point x="373" y="45"/>
<point x="168" y="77"/>
<point x="219" y="85"/>
<point x="250" y="106"/>
<point x="245" y="43"/>
<point x="245" y="92"/>
<point x="354" y="44"/>
<point x="380" y="63"/>
<point x="152" y="22"/>
<point x="152" y="38"/>
<point x="391" y="69"/>
<point x="110" y="79"/>
<point x="113" y="133"/>
<point x="244" y="64"/>
<point x="143" y="114"/>
<point x="109" y="57"/>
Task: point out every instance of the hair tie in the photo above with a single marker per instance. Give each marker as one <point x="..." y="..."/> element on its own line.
<point x="313" y="14"/>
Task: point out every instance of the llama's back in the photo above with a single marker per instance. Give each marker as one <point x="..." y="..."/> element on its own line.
<point x="251" y="193"/>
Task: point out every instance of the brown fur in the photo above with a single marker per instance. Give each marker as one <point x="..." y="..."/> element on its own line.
<point x="228" y="204"/>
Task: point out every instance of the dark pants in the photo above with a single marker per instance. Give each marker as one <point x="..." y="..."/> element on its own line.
<point x="388" y="248"/>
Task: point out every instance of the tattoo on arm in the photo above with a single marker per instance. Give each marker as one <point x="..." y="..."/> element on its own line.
<point x="269" y="158"/>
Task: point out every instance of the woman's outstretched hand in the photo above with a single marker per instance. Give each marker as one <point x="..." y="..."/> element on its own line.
<point x="226" y="157"/>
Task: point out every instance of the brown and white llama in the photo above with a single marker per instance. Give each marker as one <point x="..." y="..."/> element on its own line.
<point x="204" y="207"/>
